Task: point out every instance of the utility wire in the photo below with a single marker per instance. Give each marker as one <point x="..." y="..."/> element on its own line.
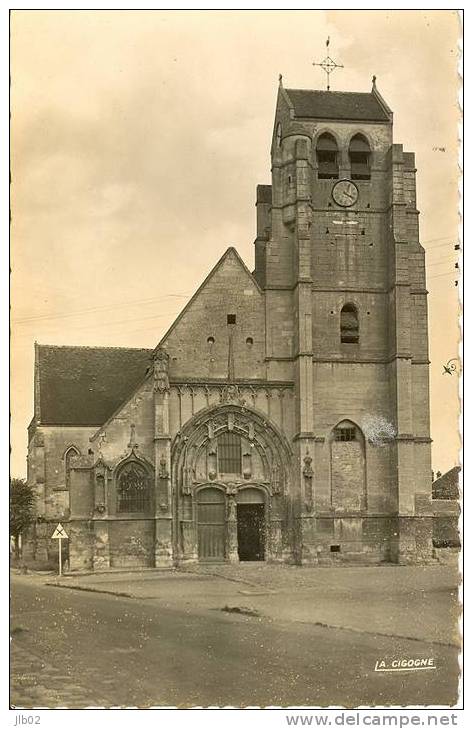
<point x="110" y="307"/>
<point x="434" y="240"/>
<point x="96" y="309"/>
<point x="446" y="273"/>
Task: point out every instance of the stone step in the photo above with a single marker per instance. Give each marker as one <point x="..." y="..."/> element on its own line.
<point x="352" y="558"/>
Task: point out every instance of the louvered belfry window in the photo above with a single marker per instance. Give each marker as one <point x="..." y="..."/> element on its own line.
<point x="327" y="157"/>
<point x="133" y="489"/>
<point x="360" y="157"/>
<point x="229" y="453"/>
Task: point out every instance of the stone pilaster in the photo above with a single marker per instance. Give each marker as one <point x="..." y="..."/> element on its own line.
<point x="275" y="540"/>
<point x="101" y="550"/>
<point x="232" y="537"/>
<point x="163" y="549"/>
<point x="412" y="540"/>
<point x="304" y="368"/>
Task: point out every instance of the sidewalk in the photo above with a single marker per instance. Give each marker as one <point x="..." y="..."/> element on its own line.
<point x="36" y="682"/>
<point x="411" y="602"/>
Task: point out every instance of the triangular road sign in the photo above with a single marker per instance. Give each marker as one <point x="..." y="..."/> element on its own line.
<point x="59" y="533"/>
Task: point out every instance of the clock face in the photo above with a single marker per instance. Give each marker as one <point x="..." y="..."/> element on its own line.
<point x="345" y="193"/>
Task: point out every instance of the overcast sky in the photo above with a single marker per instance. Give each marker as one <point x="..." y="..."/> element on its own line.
<point x="138" y="138"/>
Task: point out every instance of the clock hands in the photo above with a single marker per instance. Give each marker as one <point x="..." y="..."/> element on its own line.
<point x="345" y="193"/>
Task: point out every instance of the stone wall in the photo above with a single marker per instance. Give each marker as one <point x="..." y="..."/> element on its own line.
<point x="347" y="472"/>
<point x="198" y="342"/>
<point x="131" y="543"/>
<point x="46" y="466"/>
<point x="114" y="437"/>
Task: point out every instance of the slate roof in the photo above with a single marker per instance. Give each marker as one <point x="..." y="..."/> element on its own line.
<point x="85" y="385"/>
<point x="446" y="486"/>
<point x="347" y="105"/>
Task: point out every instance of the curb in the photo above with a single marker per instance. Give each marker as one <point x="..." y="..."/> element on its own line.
<point x="82" y="588"/>
<point x="360" y="631"/>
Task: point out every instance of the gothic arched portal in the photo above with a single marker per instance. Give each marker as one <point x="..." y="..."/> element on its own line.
<point x="230" y="474"/>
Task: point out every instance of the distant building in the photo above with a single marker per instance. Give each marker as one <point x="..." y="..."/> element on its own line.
<point x="446" y="509"/>
<point x="446" y="485"/>
<point x="285" y="414"/>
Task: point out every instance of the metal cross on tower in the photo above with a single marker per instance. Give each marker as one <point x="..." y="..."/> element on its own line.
<point x="328" y="64"/>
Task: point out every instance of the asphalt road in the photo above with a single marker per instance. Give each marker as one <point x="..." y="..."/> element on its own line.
<point x="81" y="649"/>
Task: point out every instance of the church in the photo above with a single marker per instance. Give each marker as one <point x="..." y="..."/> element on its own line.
<point x="284" y="416"/>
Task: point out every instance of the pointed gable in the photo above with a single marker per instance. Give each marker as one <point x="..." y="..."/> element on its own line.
<point x="198" y="341"/>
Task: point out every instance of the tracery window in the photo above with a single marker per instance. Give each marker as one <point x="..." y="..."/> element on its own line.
<point x="229" y="453"/>
<point x="133" y="488"/>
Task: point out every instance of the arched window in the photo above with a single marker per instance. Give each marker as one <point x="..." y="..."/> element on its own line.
<point x="69" y="455"/>
<point x="360" y="156"/>
<point x="229" y="453"/>
<point x="347" y="467"/>
<point x="349" y="327"/>
<point x="344" y="432"/>
<point x="327" y="157"/>
<point x="133" y="488"/>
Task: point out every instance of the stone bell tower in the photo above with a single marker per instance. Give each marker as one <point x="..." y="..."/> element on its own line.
<point x="338" y="255"/>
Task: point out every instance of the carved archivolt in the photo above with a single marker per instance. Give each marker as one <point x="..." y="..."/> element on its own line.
<point x="265" y="452"/>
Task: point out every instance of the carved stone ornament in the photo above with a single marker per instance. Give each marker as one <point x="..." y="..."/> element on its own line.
<point x="308" y="496"/>
<point x="308" y="471"/>
<point x="232" y="394"/>
<point x="188" y="478"/>
<point x="276" y="479"/>
<point x="232" y="509"/>
<point x="163" y="467"/>
<point x="219" y="422"/>
<point x="161" y="370"/>
<point x="132" y="444"/>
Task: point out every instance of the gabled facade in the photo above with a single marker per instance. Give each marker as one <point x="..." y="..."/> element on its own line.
<point x="284" y="416"/>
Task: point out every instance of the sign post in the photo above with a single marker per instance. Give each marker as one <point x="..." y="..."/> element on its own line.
<point x="60" y="533"/>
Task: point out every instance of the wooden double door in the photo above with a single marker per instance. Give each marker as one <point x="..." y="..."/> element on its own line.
<point x="211" y="524"/>
<point x="213" y="529"/>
